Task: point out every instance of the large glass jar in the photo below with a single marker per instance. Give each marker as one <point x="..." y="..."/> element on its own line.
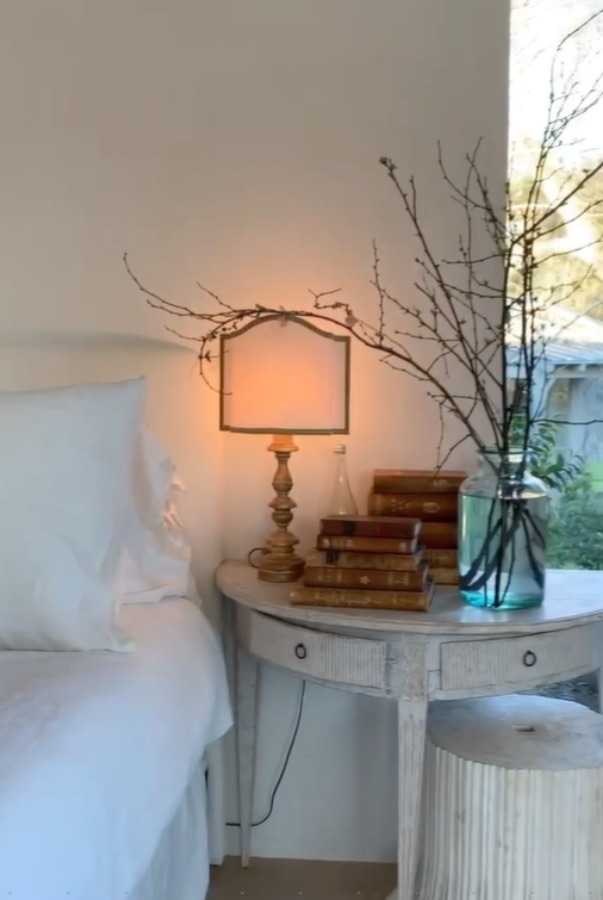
<point x="503" y="516"/>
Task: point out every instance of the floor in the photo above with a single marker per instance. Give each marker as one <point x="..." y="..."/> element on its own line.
<point x="288" y="879"/>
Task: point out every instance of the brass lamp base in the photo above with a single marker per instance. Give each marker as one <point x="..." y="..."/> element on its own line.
<point x="279" y="562"/>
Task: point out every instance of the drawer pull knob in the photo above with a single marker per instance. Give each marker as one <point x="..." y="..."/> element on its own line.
<point x="300" y="651"/>
<point x="529" y="659"/>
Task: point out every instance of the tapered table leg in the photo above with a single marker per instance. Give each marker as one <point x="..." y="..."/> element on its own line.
<point x="247" y="682"/>
<point x="412" y="722"/>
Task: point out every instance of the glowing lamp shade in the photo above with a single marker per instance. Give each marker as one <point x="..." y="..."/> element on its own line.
<point x="284" y="376"/>
<point x="281" y="375"/>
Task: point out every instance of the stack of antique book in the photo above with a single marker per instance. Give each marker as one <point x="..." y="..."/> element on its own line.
<point x="431" y="497"/>
<point x="370" y="562"/>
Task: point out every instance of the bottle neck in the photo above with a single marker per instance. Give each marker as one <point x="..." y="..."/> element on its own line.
<point x="340" y="458"/>
<point x="342" y="500"/>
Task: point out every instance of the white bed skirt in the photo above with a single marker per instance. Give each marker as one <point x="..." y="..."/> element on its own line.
<point x="179" y="869"/>
<point x="98" y="753"/>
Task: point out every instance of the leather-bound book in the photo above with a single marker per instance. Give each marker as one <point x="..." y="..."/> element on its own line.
<point x="417" y="481"/>
<point x="352" y="559"/>
<point x="426" y="507"/>
<point x="366" y="544"/>
<point x="439" y="535"/>
<point x="371" y="526"/>
<point x="348" y="598"/>
<point x="440" y="558"/>
<point x="369" y="579"/>
<point x="445" y="576"/>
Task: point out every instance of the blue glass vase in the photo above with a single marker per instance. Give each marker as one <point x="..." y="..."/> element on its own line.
<point x="503" y="518"/>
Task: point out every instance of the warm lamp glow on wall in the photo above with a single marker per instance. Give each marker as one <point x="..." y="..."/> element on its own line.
<point x="282" y="376"/>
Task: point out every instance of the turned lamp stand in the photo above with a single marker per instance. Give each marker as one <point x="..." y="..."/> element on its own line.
<point x="281" y="375"/>
<point x="279" y="562"/>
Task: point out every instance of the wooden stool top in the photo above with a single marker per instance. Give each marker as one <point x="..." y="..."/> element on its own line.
<point x="519" y="732"/>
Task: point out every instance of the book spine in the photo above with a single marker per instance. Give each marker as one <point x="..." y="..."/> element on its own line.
<point x="439" y="535"/>
<point x="392" y="482"/>
<point x="430" y="508"/>
<point x="441" y="559"/>
<point x="444" y="576"/>
<point x="367" y="544"/>
<point x="330" y="576"/>
<point x="411" y="601"/>
<point x="398" y="527"/>
<point x="350" y="559"/>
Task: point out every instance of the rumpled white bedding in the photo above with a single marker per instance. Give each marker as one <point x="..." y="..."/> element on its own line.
<point x="96" y="750"/>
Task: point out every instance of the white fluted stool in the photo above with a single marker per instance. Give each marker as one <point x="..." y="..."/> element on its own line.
<point x="513" y="801"/>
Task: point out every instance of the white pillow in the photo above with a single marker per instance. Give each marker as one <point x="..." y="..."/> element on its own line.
<point x="65" y="468"/>
<point x="155" y="562"/>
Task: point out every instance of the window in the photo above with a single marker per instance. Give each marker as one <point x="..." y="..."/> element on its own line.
<point x="570" y="276"/>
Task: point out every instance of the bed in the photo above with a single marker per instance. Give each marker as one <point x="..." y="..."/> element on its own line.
<point x="101" y="762"/>
<point x="112" y="685"/>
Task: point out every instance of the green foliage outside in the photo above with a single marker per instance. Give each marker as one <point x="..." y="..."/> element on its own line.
<point x="576" y="523"/>
<point x="576" y="532"/>
<point x="560" y="472"/>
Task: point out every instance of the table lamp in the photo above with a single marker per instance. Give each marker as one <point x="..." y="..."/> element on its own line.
<point x="281" y="375"/>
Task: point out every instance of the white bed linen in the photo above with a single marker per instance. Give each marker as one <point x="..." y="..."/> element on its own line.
<point x="97" y="749"/>
<point x="179" y="869"/>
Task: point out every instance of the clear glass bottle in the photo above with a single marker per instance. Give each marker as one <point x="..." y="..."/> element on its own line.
<point x="503" y="516"/>
<point x="341" y="501"/>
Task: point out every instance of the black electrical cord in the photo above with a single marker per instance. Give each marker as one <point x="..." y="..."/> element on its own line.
<point x="281" y="774"/>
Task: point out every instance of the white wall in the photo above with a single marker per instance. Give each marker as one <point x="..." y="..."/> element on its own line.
<point x="236" y="143"/>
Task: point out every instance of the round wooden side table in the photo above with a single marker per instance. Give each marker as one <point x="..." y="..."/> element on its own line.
<point x="452" y="652"/>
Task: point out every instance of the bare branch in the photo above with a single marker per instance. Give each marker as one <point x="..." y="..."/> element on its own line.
<point x="481" y="316"/>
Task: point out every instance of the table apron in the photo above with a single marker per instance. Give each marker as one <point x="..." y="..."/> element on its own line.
<point x="354" y="663"/>
<point x="406" y="666"/>
<point x="503" y="665"/>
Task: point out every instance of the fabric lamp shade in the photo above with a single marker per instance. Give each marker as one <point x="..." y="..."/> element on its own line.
<point x="282" y="375"/>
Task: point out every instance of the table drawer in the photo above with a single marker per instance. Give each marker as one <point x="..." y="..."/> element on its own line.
<point x="317" y="654"/>
<point x="502" y="661"/>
